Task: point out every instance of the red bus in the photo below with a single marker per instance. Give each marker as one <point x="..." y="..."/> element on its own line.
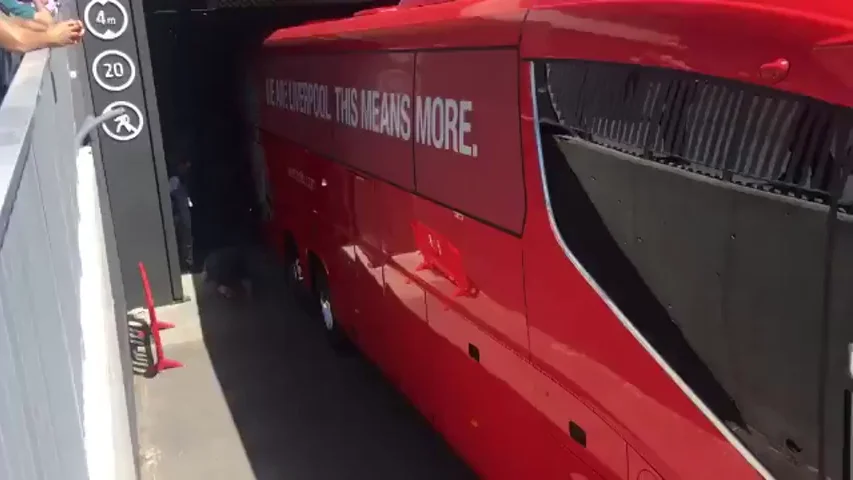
<point x="600" y="239"/>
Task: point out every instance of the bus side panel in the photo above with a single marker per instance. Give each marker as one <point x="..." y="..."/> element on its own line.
<point x="639" y="469"/>
<point x="522" y="398"/>
<point x="292" y="190"/>
<point x="408" y="345"/>
<point x="333" y="234"/>
<point x="480" y="270"/>
<point x="507" y="418"/>
<point x="468" y="157"/>
<point x="501" y="413"/>
<point x="390" y="321"/>
<point x="369" y="286"/>
<point x="481" y="418"/>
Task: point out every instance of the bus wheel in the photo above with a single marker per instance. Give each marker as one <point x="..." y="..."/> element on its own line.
<point x="325" y="310"/>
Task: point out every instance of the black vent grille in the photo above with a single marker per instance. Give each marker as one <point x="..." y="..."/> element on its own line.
<point x="739" y="132"/>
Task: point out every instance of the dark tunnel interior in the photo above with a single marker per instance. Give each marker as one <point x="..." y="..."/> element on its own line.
<point x="200" y="59"/>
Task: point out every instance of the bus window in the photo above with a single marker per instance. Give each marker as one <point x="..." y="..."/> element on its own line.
<point x="373" y="103"/>
<point x="466" y="134"/>
<point x="296" y="96"/>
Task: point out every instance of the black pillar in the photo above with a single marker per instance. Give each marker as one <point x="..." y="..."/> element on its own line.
<point x="118" y="64"/>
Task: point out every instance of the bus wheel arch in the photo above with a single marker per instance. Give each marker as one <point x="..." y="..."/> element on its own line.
<point x="324" y="309"/>
<point x="316" y="267"/>
<point x="295" y="272"/>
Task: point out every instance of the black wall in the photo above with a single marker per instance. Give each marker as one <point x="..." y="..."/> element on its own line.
<point x="200" y="61"/>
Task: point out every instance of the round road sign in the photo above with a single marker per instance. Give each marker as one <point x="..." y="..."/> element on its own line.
<point x="127" y="125"/>
<point x="106" y="19"/>
<point x="113" y="70"/>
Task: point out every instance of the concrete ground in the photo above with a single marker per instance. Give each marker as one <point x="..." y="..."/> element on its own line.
<point x="261" y="396"/>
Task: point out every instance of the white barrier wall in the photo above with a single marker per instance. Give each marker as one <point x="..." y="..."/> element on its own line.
<point x="63" y="383"/>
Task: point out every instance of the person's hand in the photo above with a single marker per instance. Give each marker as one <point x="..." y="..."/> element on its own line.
<point x="69" y="32"/>
<point x="43" y="17"/>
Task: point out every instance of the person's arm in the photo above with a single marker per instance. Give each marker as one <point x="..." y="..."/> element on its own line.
<point x="29" y="24"/>
<point x="19" y="39"/>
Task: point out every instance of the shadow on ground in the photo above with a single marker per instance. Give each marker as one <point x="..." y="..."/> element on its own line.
<point x="302" y="411"/>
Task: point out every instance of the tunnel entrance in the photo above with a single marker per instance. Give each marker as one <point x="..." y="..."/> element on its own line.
<point x="200" y="60"/>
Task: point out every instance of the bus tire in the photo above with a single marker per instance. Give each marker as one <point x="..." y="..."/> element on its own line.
<point x="324" y="310"/>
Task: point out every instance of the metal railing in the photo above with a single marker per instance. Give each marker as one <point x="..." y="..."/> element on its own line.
<point x="63" y="382"/>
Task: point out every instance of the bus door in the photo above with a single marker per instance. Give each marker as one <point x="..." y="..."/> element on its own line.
<point x="375" y="142"/>
<point x="405" y="334"/>
<point x="466" y="223"/>
<point x="333" y="233"/>
<point x="368" y="284"/>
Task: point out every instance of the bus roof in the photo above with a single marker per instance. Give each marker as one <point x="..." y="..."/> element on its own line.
<point x="707" y="36"/>
<point x="482" y="23"/>
<point x="472" y="23"/>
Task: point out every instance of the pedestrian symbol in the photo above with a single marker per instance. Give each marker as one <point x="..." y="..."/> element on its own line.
<point x="125" y="126"/>
<point x="123" y="121"/>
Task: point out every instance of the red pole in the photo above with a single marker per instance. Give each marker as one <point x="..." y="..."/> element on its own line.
<point x="163" y="363"/>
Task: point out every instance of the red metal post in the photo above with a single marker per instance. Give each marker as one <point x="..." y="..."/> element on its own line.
<point x="163" y="363"/>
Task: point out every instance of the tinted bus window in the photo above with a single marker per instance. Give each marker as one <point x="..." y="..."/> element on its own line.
<point x="373" y="120"/>
<point x="296" y="100"/>
<point x="466" y="134"/>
